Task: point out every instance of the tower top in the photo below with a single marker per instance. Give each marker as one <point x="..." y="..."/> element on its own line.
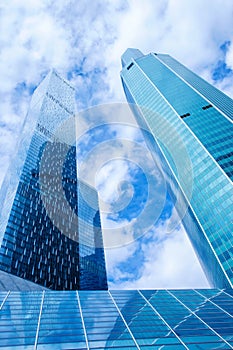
<point x="129" y="54"/>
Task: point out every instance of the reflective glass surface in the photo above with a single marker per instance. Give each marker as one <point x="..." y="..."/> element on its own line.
<point x="134" y="319"/>
<point x="184" y="122"/>
<point x="39" y="227"/>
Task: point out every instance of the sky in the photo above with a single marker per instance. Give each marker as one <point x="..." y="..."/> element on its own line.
<point x="83" y="41"/>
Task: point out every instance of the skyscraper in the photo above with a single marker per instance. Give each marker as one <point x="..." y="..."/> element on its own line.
<point x="50" y="230"/>
<point x="51" y="234"/>
<point x="188" y="124"/>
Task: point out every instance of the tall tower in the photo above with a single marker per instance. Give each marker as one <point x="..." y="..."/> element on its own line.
<point x="50" y="230"/>
<point x="188" y="124"/>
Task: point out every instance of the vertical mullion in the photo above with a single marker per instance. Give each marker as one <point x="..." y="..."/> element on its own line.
<point x="193" y="313"/>
<point x="39" y="319"/>
<point x="162" y="319"/>
<point x="224" y="291"/>
<point x="212" y="302"/>
<point x="83" y="324"/>
<point x="3" y="302"/>
<point x="122" y="317"/>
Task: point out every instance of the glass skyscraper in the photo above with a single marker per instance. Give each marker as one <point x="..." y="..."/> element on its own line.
<point x="51" y="236"/>
<point x="50" y="230"/>
<point x="133" y="319"/>
<point x="187" y="123"/>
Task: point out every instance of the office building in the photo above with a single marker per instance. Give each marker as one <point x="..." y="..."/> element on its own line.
<point x="50" y="230"/>
<point x="51" y="235"/>
<point x="187" y="123"/>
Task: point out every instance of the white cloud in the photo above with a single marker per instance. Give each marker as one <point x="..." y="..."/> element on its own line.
<point x="229" y="55"/>
<point x="192" y="32"/>
<point x="168" y="263"/>
<point x="114" y="258"/>
<point x="109" y="177"/>
<point x="86" y="41"/>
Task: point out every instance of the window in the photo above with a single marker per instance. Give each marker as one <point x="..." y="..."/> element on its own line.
<point x="184" y="115"/>
<point x="206" y="107"/>
<point x="131" y="65"/>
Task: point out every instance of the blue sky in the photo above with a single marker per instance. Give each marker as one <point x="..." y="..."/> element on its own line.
<point x="84" y="42"/>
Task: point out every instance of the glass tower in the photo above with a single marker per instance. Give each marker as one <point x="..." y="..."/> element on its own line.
<point x="50" y="230"/>
<point x="187" y="123"/>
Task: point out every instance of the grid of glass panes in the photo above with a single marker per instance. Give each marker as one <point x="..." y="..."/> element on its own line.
<point x="218" y="98"/>
<point x="144" y="319"/>
<point x="212" y="191"/>
<point x="212" y="128"/>
<point x="39" y="227"/>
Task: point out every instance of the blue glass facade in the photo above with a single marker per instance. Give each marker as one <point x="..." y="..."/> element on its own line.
<point x="188" y="123"/>
<point x="14" y="283"/>
<point x="44" y="214"/>
<point x="133" y="319"/>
